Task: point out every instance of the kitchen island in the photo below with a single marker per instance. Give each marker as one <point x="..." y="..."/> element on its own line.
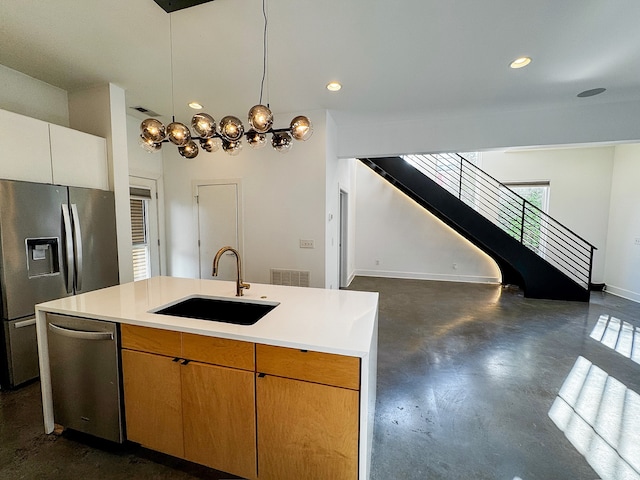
<point x="304" y="345"/>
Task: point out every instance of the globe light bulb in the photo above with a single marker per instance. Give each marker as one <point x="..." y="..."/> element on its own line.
<point x="204" y="125"/>
<point x="301" y="128"/>
<point x="210" y="144"/>
<point x="231" y="128"/>
<point x="190" y="150"/>
<point x="149" y="145"/>
<point x="260" y="118"/>
<point x="232" y="148"/>
<point x="256" y="140"/>
<point x="178" y="134"/>
<point x="281" y="142"/>
<point x="152" y="130"/>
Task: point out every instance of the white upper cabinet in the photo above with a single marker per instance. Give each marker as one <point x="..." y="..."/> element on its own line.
<point x="24" y="148"/>
<point x="35" y="151"/>
<point x="78" y="159"/>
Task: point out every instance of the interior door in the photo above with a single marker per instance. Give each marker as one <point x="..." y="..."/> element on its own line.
<point x="218" y="227"/>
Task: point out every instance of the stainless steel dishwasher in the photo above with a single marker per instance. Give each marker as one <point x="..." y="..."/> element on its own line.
<point x="85" y="375"/>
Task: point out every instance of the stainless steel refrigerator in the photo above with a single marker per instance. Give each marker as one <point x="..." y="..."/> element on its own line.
<point x="55" y="241"/>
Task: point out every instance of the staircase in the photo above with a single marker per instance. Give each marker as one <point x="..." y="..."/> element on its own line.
<point x="533" y="250"/>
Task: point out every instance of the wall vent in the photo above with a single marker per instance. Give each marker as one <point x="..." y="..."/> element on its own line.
<point x="146" y="111"/>
<point x="292" y="278"/>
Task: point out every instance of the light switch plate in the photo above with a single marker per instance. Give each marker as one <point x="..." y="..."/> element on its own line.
<point x="306" y="244"/>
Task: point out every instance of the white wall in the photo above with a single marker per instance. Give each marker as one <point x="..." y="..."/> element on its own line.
<point x="102" y="111"/>
<point x="334" y="176"/>
<point x="409" y="242"/>
<point x="580" y="188"/>
<point x="27" y="96"/>
<point x="348" y="183"/>
<point x="284" y="200"/>
<point x="622" y="272"/>
<point x="141" y="162"/>
<point x="340" y="176"/>
<point x="586" y="121"/>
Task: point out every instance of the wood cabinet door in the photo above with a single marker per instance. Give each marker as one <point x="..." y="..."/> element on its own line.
<point x="219" y="418"/>
<point x="306" y="430"/>
<point x="153" y="401"/>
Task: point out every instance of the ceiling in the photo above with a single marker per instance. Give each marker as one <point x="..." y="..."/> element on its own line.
<point x="395" y="59"/>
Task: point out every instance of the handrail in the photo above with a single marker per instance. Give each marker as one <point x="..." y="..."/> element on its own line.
<point x="525" y="222"/>
<point x="524" y="199"/>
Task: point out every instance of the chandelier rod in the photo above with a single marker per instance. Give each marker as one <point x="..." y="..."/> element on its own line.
<point x="245" y="134"/>
<point x="230" y="131"/>
<point x="173" y="88"/>
<point x="264" y="50"/>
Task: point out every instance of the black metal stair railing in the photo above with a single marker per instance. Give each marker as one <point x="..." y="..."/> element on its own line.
<point x="532" y="227"/>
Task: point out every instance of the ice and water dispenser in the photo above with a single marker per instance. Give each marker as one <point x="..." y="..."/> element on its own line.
<point x="42" y="256"/>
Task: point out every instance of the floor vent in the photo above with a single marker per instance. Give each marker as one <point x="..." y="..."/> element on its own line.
<point x="292" y="278"/>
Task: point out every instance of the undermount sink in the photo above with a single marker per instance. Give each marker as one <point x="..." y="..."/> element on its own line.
<point x="238" y="312"/>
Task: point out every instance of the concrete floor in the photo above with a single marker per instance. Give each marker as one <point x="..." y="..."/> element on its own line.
<point x="474" y="382"/>
<point x="467" y="375"/>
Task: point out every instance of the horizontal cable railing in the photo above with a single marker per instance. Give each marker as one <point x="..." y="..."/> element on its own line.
<point x="532" y="227"/>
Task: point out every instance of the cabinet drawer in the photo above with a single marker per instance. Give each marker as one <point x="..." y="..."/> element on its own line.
<point x="325" y="368"/>
<point x="219" y="351"/>
<point x="153" y="340"/>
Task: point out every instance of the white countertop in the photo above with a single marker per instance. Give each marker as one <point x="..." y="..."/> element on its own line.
<point x="331" y="321"/>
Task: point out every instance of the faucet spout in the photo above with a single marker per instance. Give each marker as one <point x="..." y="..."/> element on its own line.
<point x="240" y="285"/>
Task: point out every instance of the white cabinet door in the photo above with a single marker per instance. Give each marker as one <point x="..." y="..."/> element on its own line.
<point x="78" y="159"/>
<point x="24" y="148"/>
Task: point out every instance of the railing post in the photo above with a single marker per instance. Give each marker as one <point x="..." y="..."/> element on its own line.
<point x="524" y="204"/>
<point x="460" y="180"/>
<point x="590" y="269"/>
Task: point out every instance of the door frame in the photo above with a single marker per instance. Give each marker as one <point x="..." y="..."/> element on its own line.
<point x="195" y="185"/>
<point x="343" y="240"/>
<point x="155" y="185"/>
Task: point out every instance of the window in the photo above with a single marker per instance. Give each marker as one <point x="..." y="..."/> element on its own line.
<point x="140" y="248"/>
<point x="526" y="222"/>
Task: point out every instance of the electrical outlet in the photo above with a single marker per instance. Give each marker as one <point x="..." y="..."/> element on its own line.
<point x="455" y="266"/>
<point x="306" y="244"/>
<point x="637" y="242"/>
<point x="377" y="262"/>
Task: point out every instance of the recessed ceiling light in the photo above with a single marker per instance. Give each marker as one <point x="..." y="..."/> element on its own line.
<point x="195" y="105"/>
<point x="520" y="62"/>
<point x="333" y="86"/>
<point x="591" y="93"/>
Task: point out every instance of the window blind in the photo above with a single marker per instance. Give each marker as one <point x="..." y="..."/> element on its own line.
<point x="138" y="224"/>
<point x="140" y="263"/>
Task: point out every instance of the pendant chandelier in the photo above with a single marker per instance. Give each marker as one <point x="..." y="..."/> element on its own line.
<point x="228" y="133"/>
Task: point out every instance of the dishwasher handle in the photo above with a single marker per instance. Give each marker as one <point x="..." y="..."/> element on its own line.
<point x="81" y="334"/>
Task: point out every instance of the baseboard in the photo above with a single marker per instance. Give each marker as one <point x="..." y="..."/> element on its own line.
<point x="621" y="292"/>
<point x="428" y="276"/>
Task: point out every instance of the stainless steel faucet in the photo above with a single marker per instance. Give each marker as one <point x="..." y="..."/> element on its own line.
<point x="240" y="285"/>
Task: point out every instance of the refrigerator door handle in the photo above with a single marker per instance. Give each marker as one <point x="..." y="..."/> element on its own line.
<point x="25" y="323"/>
<point x="80" y="334"/>
<point x="77" y="235"/>
<point x="68" y="244"/>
